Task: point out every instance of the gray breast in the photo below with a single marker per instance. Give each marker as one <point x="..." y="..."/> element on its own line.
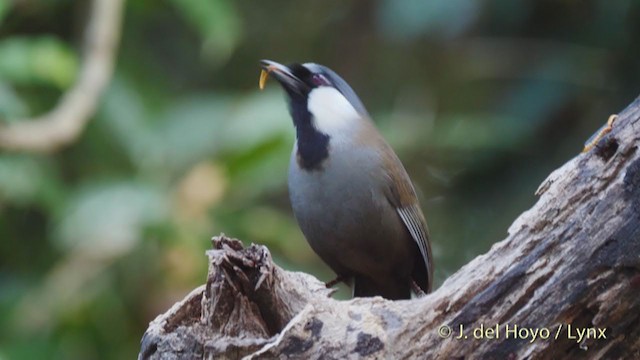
<point x="343" y="213"/>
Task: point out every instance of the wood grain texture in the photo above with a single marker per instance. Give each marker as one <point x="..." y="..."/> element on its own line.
<point x="572" y="259"/>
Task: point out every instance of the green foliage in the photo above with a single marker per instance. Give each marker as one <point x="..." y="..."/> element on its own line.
<point x="4" y="9"/>
<point x="21" y="179"/>
<point x="412" y="18"/>
<point x="37" y="61"/>
<point x="11" y="105"/>
<point x="106" y="219"/>
<point x="217" y="22"/>
<point x="481" y="100"/>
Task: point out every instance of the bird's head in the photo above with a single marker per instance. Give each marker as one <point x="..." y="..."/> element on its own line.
<point x="317" y="96"/>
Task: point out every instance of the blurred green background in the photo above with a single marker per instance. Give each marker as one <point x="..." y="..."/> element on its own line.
<point x="480" y="99"/>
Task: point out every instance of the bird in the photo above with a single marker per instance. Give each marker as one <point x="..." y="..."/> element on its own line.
<point x="351" y="196"/>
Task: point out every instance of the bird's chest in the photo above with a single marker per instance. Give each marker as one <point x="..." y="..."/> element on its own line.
<point x="346" y="186"/>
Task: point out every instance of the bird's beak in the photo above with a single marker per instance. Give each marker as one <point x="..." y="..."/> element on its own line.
<point x="283" y="74"/>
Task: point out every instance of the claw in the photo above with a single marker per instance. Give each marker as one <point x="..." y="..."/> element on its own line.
<point x="604" y="130"/>
<point x="416" y="289"/>
<point x="334" y="282"/>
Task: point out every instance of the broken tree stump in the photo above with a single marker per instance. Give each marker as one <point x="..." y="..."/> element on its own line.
<point x="565" y="283"/>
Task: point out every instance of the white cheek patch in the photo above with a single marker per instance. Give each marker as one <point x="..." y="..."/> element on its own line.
<point x="332" y="112"/>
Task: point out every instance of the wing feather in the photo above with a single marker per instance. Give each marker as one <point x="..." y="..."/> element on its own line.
<point x="417" y="226"/>
<point x="402" y="196"/>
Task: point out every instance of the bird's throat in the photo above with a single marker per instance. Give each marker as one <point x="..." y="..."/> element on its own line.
<point x="313" y="145"/>
<point x="313" y="148"/>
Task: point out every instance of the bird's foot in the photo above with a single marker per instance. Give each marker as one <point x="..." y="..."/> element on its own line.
<point x="416" y="289"/>
<point x="335" y="281"/>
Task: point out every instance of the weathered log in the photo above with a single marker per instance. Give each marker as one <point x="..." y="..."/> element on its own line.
<point x="565" y="283"/>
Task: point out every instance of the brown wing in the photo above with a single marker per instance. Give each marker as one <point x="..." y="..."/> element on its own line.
<point x="414" y="221"/>
<point x="402" y="196"/>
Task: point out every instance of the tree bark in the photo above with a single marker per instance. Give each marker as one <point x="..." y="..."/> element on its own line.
<point x="565" y="283"/>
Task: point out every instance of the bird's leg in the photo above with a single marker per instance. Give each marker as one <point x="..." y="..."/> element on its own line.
<point x="416" y="289"/>
<point x="336" y="281"/>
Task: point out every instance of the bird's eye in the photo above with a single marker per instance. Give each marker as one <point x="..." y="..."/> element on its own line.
<point x="319" y="80"/>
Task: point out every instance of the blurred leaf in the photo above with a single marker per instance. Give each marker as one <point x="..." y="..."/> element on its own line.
<point x="5" y="6"/>
<point x="43" y="60"/>
<point x="11" y="105"/>
<point x="108" y="219"/>
<point x="21" y="178"/>
<point x="411" y="18"/>
<point x="200" y="189"/>
<point x="260" y="169"/>
<point x="31" y="348"/>
<point x="258" y="117"/>
<point x="476" y="132"/>
<point x="218" y="23"/>
<point x="512" y="12"/>
<point x="192" y="128"/>
<point x="125" y="116"/>
<point x="253" y="135"/>
<point x="548" y="96"/>
<point x="200" y="126"/>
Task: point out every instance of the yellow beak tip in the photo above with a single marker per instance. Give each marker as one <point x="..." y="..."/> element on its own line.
<point x="264" y="75"/>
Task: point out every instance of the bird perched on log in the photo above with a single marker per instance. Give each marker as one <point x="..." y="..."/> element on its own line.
<point x="350" y="194"/>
